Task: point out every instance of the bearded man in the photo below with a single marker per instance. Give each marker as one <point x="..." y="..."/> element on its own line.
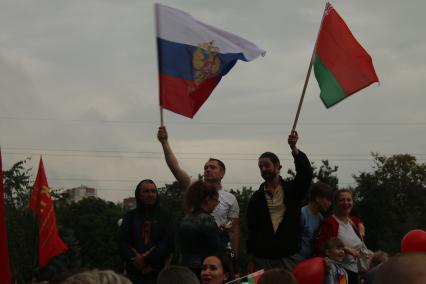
<point x="273" y="213"/>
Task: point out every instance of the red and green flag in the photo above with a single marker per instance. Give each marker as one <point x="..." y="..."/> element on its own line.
<point x="255" y="277"/>
<point x="341" y="65"/>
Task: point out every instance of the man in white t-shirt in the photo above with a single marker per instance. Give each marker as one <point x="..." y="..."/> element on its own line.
<point x="227" y="212"/>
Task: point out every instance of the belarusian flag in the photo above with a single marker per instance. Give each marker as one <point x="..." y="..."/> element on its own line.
<point x="342" y="66"/>
<point x="255" y="277"/>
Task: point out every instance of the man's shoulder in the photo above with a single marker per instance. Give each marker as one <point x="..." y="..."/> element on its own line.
<point x="227" y="195"/>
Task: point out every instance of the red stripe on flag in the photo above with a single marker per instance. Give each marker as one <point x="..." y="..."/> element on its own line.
<point x="5" y="276"/>
<point x="184" y="96"/>
<point x="342" y="54"/>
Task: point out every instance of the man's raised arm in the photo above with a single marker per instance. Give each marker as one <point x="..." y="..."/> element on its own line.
<point x="181" y="176"/>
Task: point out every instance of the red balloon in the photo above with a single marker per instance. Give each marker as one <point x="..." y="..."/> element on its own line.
<point x="310" y="271"/>
<point x="414" y="241"/>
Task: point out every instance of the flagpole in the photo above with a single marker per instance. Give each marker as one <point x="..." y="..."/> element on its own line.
<point x="308" y="74"/>
<point x="35" y="240"/>
<point x="245" y="276"/>
<point x="236" y="280"/>
<point x="158" y="63"/>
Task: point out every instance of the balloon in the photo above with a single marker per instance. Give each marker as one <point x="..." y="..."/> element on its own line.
<point x="310" y="271"/>
<point x="414" y="241"/>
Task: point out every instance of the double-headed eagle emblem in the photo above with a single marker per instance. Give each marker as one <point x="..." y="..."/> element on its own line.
<point x="206" y="62"/>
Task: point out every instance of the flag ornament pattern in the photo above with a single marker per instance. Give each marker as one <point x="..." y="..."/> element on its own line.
<point x="5" y="275"/>
<point x="341" y="65"/>
<point x="193" y="57"/>
<point x="49" y="242"/>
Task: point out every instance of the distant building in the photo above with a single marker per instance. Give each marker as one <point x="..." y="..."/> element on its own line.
<point x="78" y="193"/>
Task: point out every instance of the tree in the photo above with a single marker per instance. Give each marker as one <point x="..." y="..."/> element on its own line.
<point x="326" y="173"/>
<point x="391" y="199"/>
<point x="20" y="221"/>
<point x="94" y="223"/>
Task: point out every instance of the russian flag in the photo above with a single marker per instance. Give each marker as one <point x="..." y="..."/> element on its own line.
<point x="193" y="57"/>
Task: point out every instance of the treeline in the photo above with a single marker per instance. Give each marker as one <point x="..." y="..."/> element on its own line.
<point x="390" y="200"/>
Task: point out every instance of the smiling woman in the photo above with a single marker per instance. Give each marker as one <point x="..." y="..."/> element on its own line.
<point x="216" y="269"/>
<point x="347" y="228"/>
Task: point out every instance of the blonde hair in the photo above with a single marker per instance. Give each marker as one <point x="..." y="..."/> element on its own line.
<point x="97" y="277"/>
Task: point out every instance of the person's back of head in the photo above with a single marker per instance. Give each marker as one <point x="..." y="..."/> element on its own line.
<point x="320" y="190"/>
<point x="175" y="274"/>
<point x="403" y="268"/>
<point x="277" y="276"/>
<point x="97" y="277"/>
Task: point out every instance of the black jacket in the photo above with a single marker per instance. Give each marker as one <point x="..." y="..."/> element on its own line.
<point x="143" y="228"/>
<point x="262" y="240"/>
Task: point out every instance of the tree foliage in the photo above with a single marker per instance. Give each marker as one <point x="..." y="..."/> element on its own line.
<point x="391" y="199"/>
<point x="20" y="221"/>
<point x="94" y="223"/>
<point x="325" y="173"/>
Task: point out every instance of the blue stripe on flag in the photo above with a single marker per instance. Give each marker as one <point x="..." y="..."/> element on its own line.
<point x="175" y="59"/>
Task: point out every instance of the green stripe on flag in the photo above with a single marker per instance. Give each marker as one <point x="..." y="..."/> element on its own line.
<point x="331" y="91"/>
<point x="251" y="280"/>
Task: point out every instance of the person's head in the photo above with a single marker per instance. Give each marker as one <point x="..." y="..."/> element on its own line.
<point x="60" y="277"/>
<point x="333" y="248"/>
<point x="201" y="195"/>
<point x="97" y="277"/>
<point x="343" y="202"/>
<point x="214" y="171"/>
<point x="146" y="193"/>
<point x="277" y="276"/>
<point x="378" y="258"/>
<point x="216" y="269"/>
<point x="174" y="274"/>
<point x="322" y="195"/>
<point x="402" y="269"/>
<point x="269" y="166"/>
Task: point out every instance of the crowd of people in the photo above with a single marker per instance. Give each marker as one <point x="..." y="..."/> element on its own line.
<point x="282" y="233"/>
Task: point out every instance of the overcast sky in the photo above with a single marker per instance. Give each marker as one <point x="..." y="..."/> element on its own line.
<point x="78" y="84"/>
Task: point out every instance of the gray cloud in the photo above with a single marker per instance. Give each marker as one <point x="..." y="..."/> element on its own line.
<point x="85" y="72"/>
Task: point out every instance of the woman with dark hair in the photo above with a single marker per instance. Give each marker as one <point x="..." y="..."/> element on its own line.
<point x="198" y="232"/>
<point x="347" y="228"/>
<point x="217" y="269"/>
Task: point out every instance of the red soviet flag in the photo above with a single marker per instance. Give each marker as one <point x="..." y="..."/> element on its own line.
<point x="4" y="255"/>
<point x="49" y="242"/>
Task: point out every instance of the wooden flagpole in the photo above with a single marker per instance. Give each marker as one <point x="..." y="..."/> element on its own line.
<point x="305" y="85"/>
<point x="157" y="27"/>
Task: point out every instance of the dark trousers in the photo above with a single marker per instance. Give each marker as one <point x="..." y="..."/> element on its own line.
<point x="352" y="277"/>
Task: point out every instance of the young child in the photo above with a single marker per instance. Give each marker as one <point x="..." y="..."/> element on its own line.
<point x="333" y="253"/>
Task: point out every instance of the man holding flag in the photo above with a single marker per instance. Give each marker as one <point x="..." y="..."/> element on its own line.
<point x="273" y="212"/>
<point x="193" y="57"/>
<point x="226" y="214"/>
